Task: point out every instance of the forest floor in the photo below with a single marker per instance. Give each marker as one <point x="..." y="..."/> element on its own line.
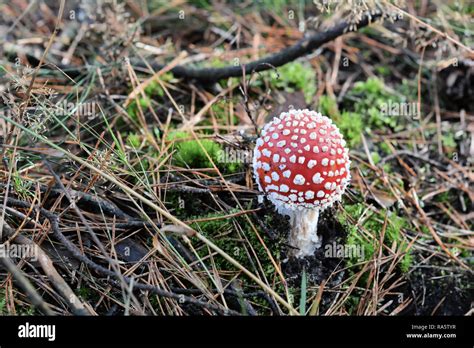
<point x="131" y="181"/>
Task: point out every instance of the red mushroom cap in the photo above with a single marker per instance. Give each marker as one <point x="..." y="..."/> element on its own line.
<point x="301" y="161"/>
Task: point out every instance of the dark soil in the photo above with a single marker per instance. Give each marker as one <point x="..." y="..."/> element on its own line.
<point x="439" y="292"/>
<point x="318" y="267"/>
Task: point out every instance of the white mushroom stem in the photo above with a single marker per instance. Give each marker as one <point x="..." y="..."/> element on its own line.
<point x="304" y="238"/>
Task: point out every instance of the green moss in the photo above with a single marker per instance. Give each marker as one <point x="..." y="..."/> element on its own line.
<point x="387" y="167"/>
<point x="152" y="91"/>
<point x="217" y="63"/>
<point x="353" y="303"/>
<point x="362" y="110"/>
<point x="181" y="207"/>
<point x="26" y="310"/>
<point x="406" y="262"/>
<point x="222" y="233"/>
<point x="354" y="237"/>
<point x="375" y="157"/>
<point x="134" y="140"/>
<point x="446" y="196"/>
<point x="212" y="227"/>
<point x="449" y="141"/>
<point x="328" y="107"/>
<point x="189" y="153"/>
<point x="384" y="148"/>
<point x="425" y="229"/>
<point x="382" y="70"/>
<point x="367" y="99"/>
<point x="3" y="303"/>
<point x="133" y="109"/>
<point x="372" y="86"/>
<point x="374" y="225"/>
<point x="293" y="77"/>
<point x="351" y="126"/>
<point x="84" y="292"/>
<point x="407" y="89"/>
<point x="349" y="123"/>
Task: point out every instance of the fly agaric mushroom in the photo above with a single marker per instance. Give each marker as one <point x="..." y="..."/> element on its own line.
<point x="301" y="162"/>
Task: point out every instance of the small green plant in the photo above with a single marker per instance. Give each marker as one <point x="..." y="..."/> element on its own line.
<point x="375" y="157"/>
<point x="382" y="70"/>
<point x="355" y="238"/>
<point x="446" y="196"/>
<point x="328" y="107"/>
<point x="351" y="125"/>
<point x="21" y="187"/>
<point x="217" y="63"/>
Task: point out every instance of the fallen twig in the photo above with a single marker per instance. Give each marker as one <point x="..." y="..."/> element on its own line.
<point x="301" y="48"/>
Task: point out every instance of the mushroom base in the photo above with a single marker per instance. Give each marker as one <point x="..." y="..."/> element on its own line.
<point x="304" y="237"/>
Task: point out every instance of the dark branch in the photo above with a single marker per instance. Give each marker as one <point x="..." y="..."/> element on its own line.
<point x="208" y="75"/>
<point x="301" y="48"/>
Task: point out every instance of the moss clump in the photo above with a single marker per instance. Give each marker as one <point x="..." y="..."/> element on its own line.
<point x="382" y="70"/>
<point x="349" y="123"/>
<point x="222" y="233"/>
<point x="394" y="234"/>
<point x="381" y="107"/>
<point x="151" y="91"/>
<point x="133" y="139"/>
<point x="449" y="142"/>
<point x="328" y="107"/>
<point x="221" y="112"/>
<point x="363" y="109"/>
<point x="189" y="153"/>
<point x="367" y="100"/>
<point x="3" y="303"/>
<point x="217" y="63"/>
<point x="374" y="225"/>
<point x="293" y="77"/>
<point x="133" y="108"/>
